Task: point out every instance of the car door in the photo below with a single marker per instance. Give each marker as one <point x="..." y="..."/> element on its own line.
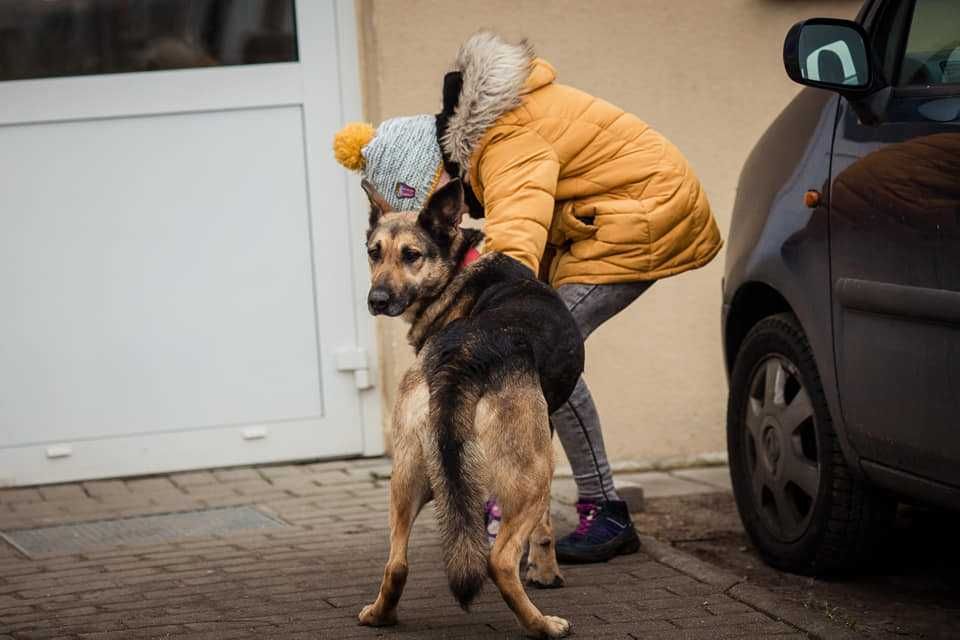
<point x="895" y="248"/>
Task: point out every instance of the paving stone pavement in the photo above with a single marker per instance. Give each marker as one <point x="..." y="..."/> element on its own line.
<point x="310" y="579"/>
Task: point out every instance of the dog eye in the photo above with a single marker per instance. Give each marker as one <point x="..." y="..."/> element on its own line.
<point x="374" y="253"/>
<point x="410" y="255"/>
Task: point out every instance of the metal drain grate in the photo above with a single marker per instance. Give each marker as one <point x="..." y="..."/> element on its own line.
<point x="84" y="536"/>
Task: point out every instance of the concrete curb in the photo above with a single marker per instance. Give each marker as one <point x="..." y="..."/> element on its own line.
<point x="778" y="608"/>
<point x="707" y="459"/>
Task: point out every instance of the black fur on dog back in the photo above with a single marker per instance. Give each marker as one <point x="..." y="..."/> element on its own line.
<point x="512" y="314"/>
<point x="514" y="324"/>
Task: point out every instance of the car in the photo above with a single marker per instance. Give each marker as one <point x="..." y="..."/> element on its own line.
<point x="841" y="290"/>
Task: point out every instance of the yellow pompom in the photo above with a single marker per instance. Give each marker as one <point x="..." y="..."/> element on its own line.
<point x="349" y="142"/>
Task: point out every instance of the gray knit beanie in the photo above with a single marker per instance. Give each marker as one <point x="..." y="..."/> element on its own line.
<point x="401" y="158"/>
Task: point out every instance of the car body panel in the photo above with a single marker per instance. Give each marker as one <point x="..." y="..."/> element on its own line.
<point x="776" y="241"/>
<point x="895" y="224"/>
<point x="834" y="269"/>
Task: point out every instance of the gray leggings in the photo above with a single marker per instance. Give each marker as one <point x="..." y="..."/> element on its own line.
<point x="576" y="422"/>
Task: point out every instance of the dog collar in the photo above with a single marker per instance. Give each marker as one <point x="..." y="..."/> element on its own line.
<point x="470" y="256"/>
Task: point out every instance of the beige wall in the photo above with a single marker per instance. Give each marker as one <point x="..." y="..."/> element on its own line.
<point x="707" y="74"/>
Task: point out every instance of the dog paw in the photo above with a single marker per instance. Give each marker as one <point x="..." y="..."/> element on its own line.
<point x="370" y="616"/>
<point x="555" y="627"/>
<point x="544" y="579"/>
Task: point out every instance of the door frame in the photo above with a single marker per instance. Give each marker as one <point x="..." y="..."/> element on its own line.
<point x="371" y="400"/>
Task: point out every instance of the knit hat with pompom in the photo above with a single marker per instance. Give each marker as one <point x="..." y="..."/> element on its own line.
<point x="401" y="158"/>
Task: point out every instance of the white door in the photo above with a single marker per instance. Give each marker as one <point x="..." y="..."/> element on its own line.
<point x="177" y="253"/>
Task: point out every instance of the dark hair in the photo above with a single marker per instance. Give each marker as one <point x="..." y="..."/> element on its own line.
<point x="452" y="84"/>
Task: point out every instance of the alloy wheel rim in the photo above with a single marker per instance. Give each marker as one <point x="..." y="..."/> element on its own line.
<point x="782" y="448"/>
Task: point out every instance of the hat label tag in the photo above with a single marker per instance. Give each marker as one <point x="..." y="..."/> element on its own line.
<point x="404" y="191"/>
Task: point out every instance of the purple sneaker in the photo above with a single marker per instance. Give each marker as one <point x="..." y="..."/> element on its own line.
<point x="491" y="516"/>
<point x="605" y="531"/>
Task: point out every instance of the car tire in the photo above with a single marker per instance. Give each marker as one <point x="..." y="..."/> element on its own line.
<point x="802" y="506"/>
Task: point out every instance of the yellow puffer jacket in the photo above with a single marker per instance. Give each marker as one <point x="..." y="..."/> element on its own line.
<point x="616" y="199"/>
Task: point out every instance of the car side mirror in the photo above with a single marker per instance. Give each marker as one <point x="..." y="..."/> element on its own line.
<point x="829" y="54"/>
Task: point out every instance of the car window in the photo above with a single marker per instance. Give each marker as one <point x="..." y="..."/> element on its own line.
<point x="932" y="52"/>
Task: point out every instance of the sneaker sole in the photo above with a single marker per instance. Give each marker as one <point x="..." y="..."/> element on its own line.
<point x="602" y="553"/>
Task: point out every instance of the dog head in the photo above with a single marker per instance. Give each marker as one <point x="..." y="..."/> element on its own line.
<point x="410" y="252"/>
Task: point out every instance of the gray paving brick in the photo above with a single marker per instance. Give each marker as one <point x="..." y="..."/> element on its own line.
<point x="237" y="475"/>
<point x="328" y="465"/>
<point x="99" y="488"/>
<point x="12" y="496"/>
<point x="282" y="471"/>
<point x="63" y="492"/>
<point x="337" y="477"/>
<point x="210" y="490"/>
<point x="193" y="478"/>
<point x="148" y="485"/>
<point x="310" y="579"/>
<point x="253" y="487"/>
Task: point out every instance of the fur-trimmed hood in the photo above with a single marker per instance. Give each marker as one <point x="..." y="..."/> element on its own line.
<point x="492" y="73"/>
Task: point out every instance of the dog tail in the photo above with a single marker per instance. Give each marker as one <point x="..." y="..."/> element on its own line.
<point x="457" y="480"/>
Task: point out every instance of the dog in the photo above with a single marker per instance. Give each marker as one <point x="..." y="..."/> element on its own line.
<point x="497" y="352"/>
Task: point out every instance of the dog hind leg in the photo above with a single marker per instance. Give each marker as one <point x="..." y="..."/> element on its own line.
<point x="542" y="568"/>
<point x="409" y="491"/>
<point x="516" y="527"/>
<point x="514" y="427"/>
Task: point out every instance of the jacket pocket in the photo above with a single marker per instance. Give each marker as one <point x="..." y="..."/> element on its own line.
<point x="577" y="227"/>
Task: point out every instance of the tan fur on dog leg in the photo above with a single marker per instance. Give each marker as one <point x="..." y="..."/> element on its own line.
<point x="514" y="428"/>
<point x="542" y="568"/>
<point x="409" y="491"/>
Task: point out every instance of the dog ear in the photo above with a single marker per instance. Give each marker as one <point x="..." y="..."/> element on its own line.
<point x="443" y="211"/>
<point x="378" y="206"/>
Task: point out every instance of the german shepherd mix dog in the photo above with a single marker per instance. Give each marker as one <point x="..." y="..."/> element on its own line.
<point x="497" y="352"/>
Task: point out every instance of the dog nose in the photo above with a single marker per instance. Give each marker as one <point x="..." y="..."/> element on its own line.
<point x="378" y="300"/>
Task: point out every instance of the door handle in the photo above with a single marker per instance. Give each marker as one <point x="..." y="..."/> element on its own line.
<point x="811" y="199"/>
